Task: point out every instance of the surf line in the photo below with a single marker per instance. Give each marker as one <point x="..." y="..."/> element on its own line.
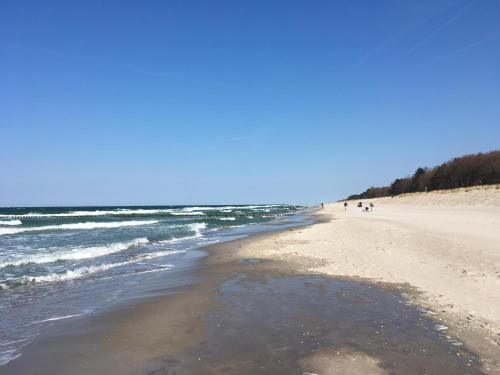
<point x="208" y="217"/>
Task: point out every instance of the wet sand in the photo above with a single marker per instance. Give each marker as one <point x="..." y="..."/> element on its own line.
<point x="254" y="315"/>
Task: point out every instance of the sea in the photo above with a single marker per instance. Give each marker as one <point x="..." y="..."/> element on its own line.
<point x="59" y="263"/>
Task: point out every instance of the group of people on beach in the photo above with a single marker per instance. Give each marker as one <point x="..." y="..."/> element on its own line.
<point x="368" y="208"/>
<point x="360" y="204"/>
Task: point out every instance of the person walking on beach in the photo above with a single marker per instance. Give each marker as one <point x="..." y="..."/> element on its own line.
<point x="322" y="205"/>
<point x="371" y="206"/>
<point x="345" y="205"/>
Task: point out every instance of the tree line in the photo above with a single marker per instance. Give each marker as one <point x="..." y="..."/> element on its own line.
<point x="467" y="170"/>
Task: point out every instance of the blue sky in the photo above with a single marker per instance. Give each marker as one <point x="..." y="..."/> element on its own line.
<point x="187" y="102"/>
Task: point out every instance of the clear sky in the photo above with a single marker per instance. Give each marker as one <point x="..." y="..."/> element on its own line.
<point x="190" y="102"/>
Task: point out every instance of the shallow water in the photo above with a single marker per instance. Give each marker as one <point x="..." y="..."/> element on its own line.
<point x="63" y="263"/>
<point x="273" y="325"/>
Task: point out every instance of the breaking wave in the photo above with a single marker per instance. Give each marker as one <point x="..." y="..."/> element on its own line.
<point x="187" y="213"/>
<point x="120" y="211"/>
<point x="86" y="225"/>
<point x="10" y="222"/>
<point x="195" y="228"/>
<point x="82" y="271"/>
<point x="76" y="253"/>
<point x="229" y="208"/>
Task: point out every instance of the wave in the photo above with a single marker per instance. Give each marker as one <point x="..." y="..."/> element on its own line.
<point x="203" y="208"/>
<point x="86" y="225"/>
<point x="11" y="222"/>
<point x="124" y="212"/>
<point x="76" y="253"/>
<point x="120" y="211"/>
<point x="195" y="210"/>
<point x="68" y="274"/>
<point x="8" y="355"/>
<point x="80" y="272"/>
<point x="187" y="213"/>
<point x="164" y="267"/>
<point x="196" y="228"/>
<point x="229" y="208"/>
<point x="230" y="218"/>
<point x="12" y="342"/>
<point x="53" y="319"/>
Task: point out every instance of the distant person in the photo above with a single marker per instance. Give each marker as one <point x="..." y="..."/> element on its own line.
<point x="360" y="204"/>
<point x="371" y="206"/>
<point x="345" y="205"/>
<point x="367" y="209"/>
<point x="322" y="205"/>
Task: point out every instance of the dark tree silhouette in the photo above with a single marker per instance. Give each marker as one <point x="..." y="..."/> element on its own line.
<point x="467" y="170"/>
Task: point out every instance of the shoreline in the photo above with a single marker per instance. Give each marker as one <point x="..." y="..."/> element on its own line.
<point x="176" y="333"/>
<point x="193" y="283"/>
<point x="161" y="334"/>
<point x="45" y="283"/>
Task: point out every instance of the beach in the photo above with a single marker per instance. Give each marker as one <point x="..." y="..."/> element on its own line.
<point x="408" y="288"/>
<point x="444" y="244"/>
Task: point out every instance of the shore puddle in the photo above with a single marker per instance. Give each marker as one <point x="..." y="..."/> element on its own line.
<point x="314" y="325"/>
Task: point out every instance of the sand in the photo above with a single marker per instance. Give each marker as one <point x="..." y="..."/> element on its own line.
<point x="444" y="244"/>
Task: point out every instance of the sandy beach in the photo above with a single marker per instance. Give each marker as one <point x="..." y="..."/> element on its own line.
<point x="444" y="244"/>
<point x="409" y="288"/>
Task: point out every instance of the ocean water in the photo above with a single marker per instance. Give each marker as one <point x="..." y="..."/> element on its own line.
<point x="61" y="263"/>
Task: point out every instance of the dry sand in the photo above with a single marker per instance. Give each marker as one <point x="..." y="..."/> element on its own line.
<point x="446" y="245"/>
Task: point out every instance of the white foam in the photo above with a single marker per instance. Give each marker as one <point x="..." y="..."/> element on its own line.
<point x="70" y="274"/>
<point x="53" y="319"/>
<point x="157" y="254"/>
<point x="192" y="209"/>
<point x="229" y="208"/>
<point x="10" y="222"/>
<point x="152" y="271"/>
<point x="89" y="270"/>
<point x="142" y="211"/>
<point x="120" y="211"/>
<point x="8" y="355"/>
<point x="164" y="267"/>
<point x="230" y="218"/>
<point x="86" y="225"/>
<point x="12" y="342"/>
<point x="188" y="213"/>
<point x="76" y="253"/>
<point x="196" y="228"/>
<point x="440" y="327"/>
